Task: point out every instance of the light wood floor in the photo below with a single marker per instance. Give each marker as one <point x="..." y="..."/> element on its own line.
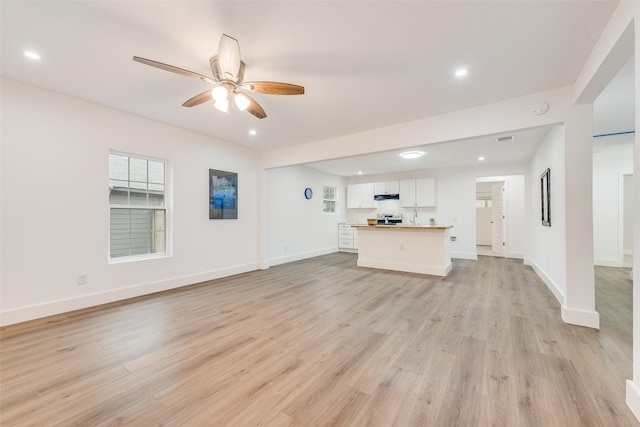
<point x="485" y="250"/>
<point x="322" y="342"/>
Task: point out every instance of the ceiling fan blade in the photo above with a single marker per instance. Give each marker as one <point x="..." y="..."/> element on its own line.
<point x="198" y="99"/>
<point x="229" y="57"/>
<point x="274" y="88"/>
<point x="173" y="69"/>
<point x="255" y="108"/>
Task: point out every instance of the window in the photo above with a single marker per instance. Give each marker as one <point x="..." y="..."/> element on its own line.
<point x="137" y="206"/>
<point x="328" y="199"/>
<point x="484" y="201"/>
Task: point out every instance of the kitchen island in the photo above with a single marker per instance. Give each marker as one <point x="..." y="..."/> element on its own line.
<point x="411" y="248"/>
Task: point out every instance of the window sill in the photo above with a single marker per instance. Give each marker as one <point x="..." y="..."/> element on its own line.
<point x="134" y="258"/>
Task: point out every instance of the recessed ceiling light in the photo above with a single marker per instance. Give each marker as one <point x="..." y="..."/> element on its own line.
<point x="359" y="172"/>
<point x="252" y="132"/>
<point x="461" y="72"/>
<point x="481" y="158"/>
<point x="31" y="55"/>
<point x="412" y="154"/>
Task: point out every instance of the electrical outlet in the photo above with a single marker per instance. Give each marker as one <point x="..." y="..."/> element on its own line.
<point x="285" y="249"/>
<point x="453" y="238"/>
<point x="82" y="279"/>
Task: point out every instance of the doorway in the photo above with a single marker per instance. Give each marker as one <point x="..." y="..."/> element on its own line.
<point x="500" y="216"/>
<point x="489" y="218"/>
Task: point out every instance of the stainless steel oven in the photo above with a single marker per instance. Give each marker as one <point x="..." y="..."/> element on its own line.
<point x="389" y="219"/>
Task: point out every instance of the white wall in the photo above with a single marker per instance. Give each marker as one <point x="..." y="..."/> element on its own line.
<point x="297" y="227"/>
<point x="609" y="166"/>
<point x="628" y="217"/>
<point x="55" y="218"/>
<point x="456" y="204"/>
<point x="546" y="250"/>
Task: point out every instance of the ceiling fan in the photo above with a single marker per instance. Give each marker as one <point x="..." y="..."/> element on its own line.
<point x="228" y="75"/>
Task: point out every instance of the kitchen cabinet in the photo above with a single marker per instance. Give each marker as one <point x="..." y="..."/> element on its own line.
<point x="415" y="193"/>
<point x="360" y="196"/>
<point x="387" y="187"/>
<point x="347" y="238"/>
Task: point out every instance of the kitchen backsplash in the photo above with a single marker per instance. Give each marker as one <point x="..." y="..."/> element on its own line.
<point x="359" y="216"/>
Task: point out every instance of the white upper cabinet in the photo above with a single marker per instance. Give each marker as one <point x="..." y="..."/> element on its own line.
<point x="408" y="193"/>
<point x="360" y="196"/>
<point x="416" y="193"/>
<point x="426" y="192"/>
<point x="387" y="187"/>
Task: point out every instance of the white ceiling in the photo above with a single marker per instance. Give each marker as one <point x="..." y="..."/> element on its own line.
<point x="444" y="155"/>
<point x="364" y="64"/>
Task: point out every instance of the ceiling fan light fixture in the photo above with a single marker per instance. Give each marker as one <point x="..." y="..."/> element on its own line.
<point x="219" y="93"/>
<point x="242" y="102"/>
<point x="228" y="77"/>
<point x="222" y="105"/>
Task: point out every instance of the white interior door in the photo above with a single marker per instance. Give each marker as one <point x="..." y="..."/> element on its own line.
<point x="497" y="218"/>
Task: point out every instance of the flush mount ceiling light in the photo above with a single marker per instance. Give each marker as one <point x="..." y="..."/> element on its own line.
<point x="412" y="154"/>
<point x="31" y="55"/>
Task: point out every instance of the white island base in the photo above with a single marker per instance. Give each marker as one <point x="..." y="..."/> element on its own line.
<point x="414" y="249"/>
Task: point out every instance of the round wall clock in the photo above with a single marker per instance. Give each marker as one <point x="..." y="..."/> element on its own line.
<point x="308" y="193"/>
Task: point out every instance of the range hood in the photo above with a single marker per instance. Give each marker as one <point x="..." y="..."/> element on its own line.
<point x="386" y="197"/>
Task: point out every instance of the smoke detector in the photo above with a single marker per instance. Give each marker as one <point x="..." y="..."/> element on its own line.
<point x="540" y="109"/>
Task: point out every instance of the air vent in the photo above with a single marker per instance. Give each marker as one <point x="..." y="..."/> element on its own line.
<point x="506" y="138"/>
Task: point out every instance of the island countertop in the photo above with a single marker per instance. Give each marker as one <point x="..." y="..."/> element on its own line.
<point x="405" y="226"/>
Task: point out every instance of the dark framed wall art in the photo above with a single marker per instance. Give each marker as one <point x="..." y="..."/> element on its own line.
<point x="545" y="197"/>
<point x="223" y="194"/>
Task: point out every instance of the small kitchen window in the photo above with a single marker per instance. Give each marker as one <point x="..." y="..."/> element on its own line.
<point x="329" y="199"/>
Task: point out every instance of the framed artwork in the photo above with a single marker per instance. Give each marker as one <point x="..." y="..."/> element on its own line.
<point x="223" y="194"/>
<point x="545" y="197"/>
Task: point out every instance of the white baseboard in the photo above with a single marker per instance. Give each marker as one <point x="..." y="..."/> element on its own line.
<point x="547" y="281"/>
<point x="633" y="398"/>
<point x="411" y="268"/>
<point x="590" y="319"/>
<point x="51" y="308"/>
<point x="300" y="256"/>
<point x="464" y="255"/>
<point x="607" y="262"/>
<point x="515" y="255"/>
